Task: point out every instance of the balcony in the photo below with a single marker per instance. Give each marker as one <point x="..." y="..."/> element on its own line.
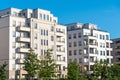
<point x="19" y="61"/>
<point x="25" y="29"/>
<point x="60" y="42"/>
<point x="23" y="50"/>
<point x="23" y="39"/>
<point x="21" y="72"/>
<point x="90" y="37"/>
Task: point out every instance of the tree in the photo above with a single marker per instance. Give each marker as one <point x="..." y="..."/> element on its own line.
<point x="47" y="67"/>
<point x="73" y="72"/>
<point x="101" y="71"/>
<point x="31" y="64"/>
<point x="115" y="72"/>
<point x="3" y="72"/>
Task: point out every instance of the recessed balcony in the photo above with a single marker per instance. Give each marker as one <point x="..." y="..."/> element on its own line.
<point x="23" y="39"/>
<point x="23" y="50"/>
<point x="26" y="29"/>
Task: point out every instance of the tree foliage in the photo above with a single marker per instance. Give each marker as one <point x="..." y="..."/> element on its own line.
<point x="31" y="64"/>
<point x="47" y="66"/>
<point x="3" y="72"/>
<point x="73" y="72"/>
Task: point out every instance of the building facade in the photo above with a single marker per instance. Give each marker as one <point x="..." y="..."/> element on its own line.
<point x="87" y="44"/>
<point x="116" y="50"/>
<point x="38" y="29"/>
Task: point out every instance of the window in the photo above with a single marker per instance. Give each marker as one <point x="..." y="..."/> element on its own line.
<point x="44" y="42"/>
<point x="80" y="44"/>
<point x="80" y="60"/>
<point x="40" y="16"/>
<point x="47" y="42"/>
<point x="46" y="32"/>
<point x="41" y="41"/>
<point x="63" y="58"/>
<point x="52" y="28"/>
<point x="44" y="17"/>
<point x="104" y="53"/>
<point x="75" y="52"/>
<point x="100" y="36"/>
<point x="70" y="53"/>
<point x="79" y="35"/>
<point x="41" y="32"/>
<point x="100" y="52"/>
<point x="35" y="36"/>
<point x="80" y="51"/>
<point x="75" y="60"/>
<point x="35" y="46"/>
<point x="42" y="52"/>
<point x="13" y="66"/>
<point x="52" y="38"/>
<point x="69" y="36"/>
<point x="107" y="53"/>
<point x="107" y="37"/>
<point x="74" y="35"/>
<point x="35" y="25"/>
<point x="70" y="45"/>
<point x="14" y="34"/>
<point x="75" y="44"/>
<point x="48" y="17"/>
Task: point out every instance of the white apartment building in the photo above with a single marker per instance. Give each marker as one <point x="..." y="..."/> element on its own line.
<point x="116" y="50"/>
<point x="87" y="44"/>
<point x="38" y="29"/>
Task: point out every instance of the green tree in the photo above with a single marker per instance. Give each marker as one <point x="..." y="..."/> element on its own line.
<point x="3" y="72"/>
<point x="47" y="67"/>
<point x="31" y="64"/>
<point x="101" y="71"/>
<point x="73" y="72"/>
<point x="115" y="72"/>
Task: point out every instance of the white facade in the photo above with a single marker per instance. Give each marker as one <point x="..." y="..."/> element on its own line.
<point x="22" y="29"/>
<point x="87" y="44"/>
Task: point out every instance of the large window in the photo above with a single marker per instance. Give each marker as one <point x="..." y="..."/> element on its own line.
<point x="69" y="36"/>
<point x="70" y="44"/>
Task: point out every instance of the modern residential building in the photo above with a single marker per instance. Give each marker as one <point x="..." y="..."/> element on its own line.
<point x="87" y="44"/>
<point x="116" y="50"/>
<point x="38" y="29"/>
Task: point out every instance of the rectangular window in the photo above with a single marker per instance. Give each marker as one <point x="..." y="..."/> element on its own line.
<point x="75" y="44"/>
<point x="41" y="32"/>
<point x="79" y="35"/>
<point x="52" y="38"/>
<point x="35" y="25"/>
<point x="70" y="53"/>
<point x="70" y="44"/>
<point x="46" y="32"/>
<point x="42" y="52"/>
<point x="35" y="36"/>
<point x="35" y="46"/>
<point x="75" y="52"/>
<point x="80" y="51"/>
<point x="80" y="60"/>
<point x="44" y="42"/>
<point x="47" y="42"/>
<point x="40" y="16"/>
<point x="52" y="28"/>
<point x="69" y="36"/>
<point x="80" y="44"/>
<point x="41" y="41"/>
<point x="74" y="35"/>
